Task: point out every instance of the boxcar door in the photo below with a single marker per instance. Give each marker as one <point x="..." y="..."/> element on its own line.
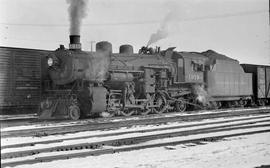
<point x="261" y="82"/>
<point x="267" y="82"/>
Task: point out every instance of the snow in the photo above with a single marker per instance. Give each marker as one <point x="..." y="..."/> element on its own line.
<point x="174" y="158"/>
<point x="238" y="152"/>
<point x="198" y="136"/>
<point x="152" y="142"/>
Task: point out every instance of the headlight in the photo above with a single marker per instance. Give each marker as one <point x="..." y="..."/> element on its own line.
<point x="50" y="61"/>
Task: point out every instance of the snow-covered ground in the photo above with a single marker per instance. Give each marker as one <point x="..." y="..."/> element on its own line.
<point x="244" y="151"/>
<point x="240" y="152"/>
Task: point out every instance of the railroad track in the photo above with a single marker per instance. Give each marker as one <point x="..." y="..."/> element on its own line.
<point x="10" y="118"/>
<point x="266" y="117"/>
<point x="120" y="141"/>
<point x="31" y="119"/>
<point x="133" y="131"/>
<point x="17" y="120"/>
<point x="101" y="124"/>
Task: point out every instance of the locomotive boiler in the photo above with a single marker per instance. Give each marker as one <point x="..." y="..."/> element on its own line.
<point x="67" y="66"/>
<point x="150" y="81"/>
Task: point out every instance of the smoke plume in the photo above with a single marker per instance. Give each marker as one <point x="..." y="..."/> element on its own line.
<point x="162" y="32"/>
<point x="77" y="11"/>
<point x="177" y="11"/>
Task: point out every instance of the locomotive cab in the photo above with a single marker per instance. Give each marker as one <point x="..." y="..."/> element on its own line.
<point x="190" y="67"/>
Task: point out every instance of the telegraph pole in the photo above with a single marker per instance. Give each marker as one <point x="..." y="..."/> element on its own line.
<point x="91" y="43"/>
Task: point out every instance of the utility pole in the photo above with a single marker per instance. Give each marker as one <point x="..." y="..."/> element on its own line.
<point x="269" y="30"/>
<point x="91" y="43"/>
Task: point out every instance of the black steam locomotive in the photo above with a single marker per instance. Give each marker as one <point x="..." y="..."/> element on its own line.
<point x="151" y="81"/>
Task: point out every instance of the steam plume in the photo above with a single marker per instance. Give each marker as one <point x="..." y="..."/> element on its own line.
<point x="77" y="11"/>
<point x="201" y="94"/>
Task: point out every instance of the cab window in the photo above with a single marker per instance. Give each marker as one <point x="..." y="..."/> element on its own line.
<point x="180" y="63"/>
<point x="197" y="67"/>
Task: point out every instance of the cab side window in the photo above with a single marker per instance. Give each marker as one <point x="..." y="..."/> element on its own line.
<point x="197" y="67"/>
<point x="180" y="70"/>
<point x="180" y="63"/>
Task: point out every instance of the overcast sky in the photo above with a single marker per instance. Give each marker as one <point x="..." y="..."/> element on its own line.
<point x="237" y="28"/>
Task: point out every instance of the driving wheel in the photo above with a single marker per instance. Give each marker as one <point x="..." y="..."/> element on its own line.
<point x="161" y="104"/>
<point x="74" y="112"/>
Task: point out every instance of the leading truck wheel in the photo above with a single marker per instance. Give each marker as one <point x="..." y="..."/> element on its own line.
<point x="74" y="112"/>
<point x="180" y="106"/>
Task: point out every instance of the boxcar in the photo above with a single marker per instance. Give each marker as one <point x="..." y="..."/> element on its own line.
<point x="261" y="82"/>
<point x="20" y="78"/>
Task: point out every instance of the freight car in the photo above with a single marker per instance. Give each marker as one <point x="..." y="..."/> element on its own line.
<point x="260" y="82"/>
<point x="151" y="81"/>
<point x="20" y="79"/>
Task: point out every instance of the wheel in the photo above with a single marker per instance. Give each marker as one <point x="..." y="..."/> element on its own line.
<point x="229" y="104"/>
<point x="146" y="109"/>
<point x="242" y="103"/>
<point x="74" y="112"/>
<point x="235" y="104"/>
<point x="128" y="112"/>
<point x="161" y="103"/>
<point x="262" y="103"/>
<point x="219" y="105"/>
<point x="259" y="102"/>
<point x="180" y="106"/>
<point x="85" y="103"/>
<point x="47" y="104"/>
<point x="213" y="105"/>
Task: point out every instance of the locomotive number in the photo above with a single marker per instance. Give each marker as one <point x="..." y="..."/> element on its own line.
<point x="194" y="77"/>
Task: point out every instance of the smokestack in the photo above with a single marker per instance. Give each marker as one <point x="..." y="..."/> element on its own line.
<point x="75" y="42"/>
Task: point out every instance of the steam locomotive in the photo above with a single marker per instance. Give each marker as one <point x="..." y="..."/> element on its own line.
<point x="151" y="81"/>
